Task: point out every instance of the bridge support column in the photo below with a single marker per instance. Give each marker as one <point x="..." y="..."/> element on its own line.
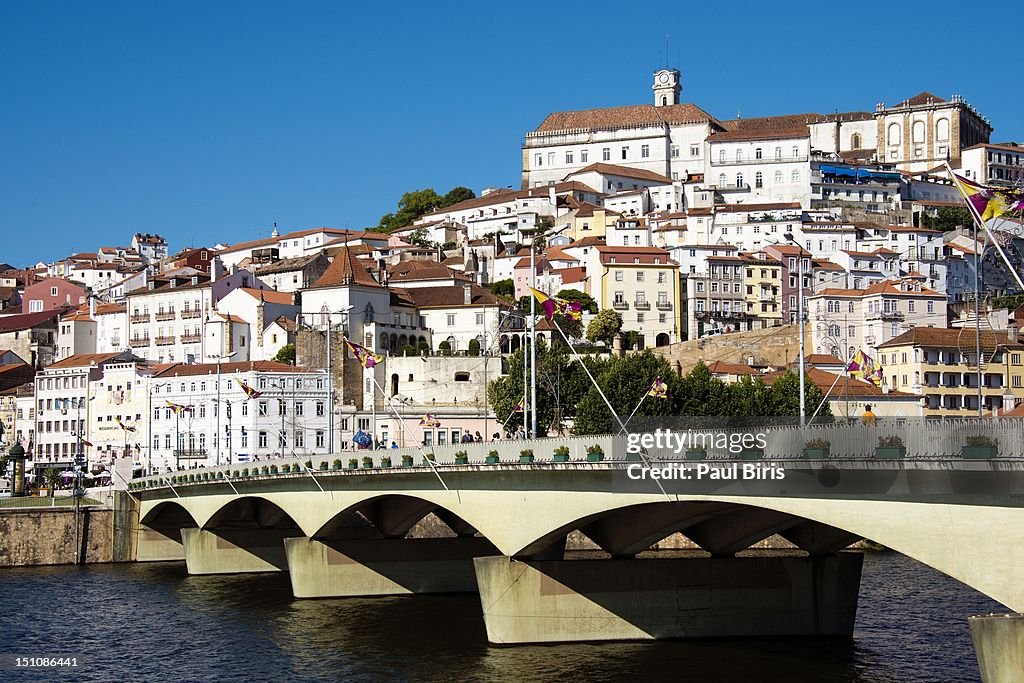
<point x="348" y="568"/>
<point x="235" y="551"/>
<point x="156" y="545"/>
<point x="587" y="600"/>
<point x="999" y="645"/>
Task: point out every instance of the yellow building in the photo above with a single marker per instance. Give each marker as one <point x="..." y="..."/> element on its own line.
<point x="642" y="284"/>
<point x="940" y="364"/>
<point x="762" y="285"/>
<point x="589" y="220"/>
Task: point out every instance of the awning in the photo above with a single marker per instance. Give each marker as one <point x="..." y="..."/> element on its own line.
<point x="837" y="170"/>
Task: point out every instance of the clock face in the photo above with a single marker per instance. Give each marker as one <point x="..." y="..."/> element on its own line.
<point x="663" y="78"/>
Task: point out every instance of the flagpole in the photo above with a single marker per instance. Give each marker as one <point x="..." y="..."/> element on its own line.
<point x="401" y="421"/>
<point x="642" y="399"/>
<point x="984" y="226"/>
<point x="622" y="427"/>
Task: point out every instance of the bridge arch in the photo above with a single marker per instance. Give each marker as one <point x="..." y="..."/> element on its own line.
<point x="389" y="516"/>
<point x="250" y="512"/>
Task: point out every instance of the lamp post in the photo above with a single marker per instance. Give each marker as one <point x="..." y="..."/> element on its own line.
<point x="217" y="437"/>
<point x="800" y="320"/>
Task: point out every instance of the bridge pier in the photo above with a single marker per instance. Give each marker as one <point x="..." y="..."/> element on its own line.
<point x="526" y="601"/>
<point x="358" y="567"/>
<point x="999" y="645"/>
<point x="235" y="551"/>
<point x="159" y="545"/>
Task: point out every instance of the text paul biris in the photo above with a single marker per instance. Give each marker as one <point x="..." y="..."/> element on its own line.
<point x="747" y="471"/>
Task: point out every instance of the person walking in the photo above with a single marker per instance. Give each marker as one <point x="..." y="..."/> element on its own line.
<point x="869" y="418"/>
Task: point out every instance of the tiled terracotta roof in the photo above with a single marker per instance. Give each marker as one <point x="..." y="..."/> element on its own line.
<point x="741" y="208"/>
<point x="825" y="381"/>
<point x="85" y="359"/>
<point x="346" y="269"/>
<point x="623" y="117"/>
<point x="624" y="171"/>
<point x="722" y="368"/>
<point x="951" y="337"/>
<point x="451" y="297"/>
<point x="760" y="134"/>
<point x="271" y="296"/>
<point x="408" y="271"/>
<point x="921" y="98"/>
<point x="196" y="369"/>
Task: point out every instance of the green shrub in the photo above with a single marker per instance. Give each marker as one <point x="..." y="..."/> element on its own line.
<point x="890" y="441"/>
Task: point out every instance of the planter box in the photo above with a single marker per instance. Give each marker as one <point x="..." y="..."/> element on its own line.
<point x="979" y="452"/>
<point x="462" y="460"/>
<point x="595" y="457"/>
<point x="696" y="455"/>
<point x="752" y="454"/>
<point x="367" y="464"/>
<point x="633" y="457"/>
<point x="406" y="461"/>
<point x="337" y="466"/>
<point x="815" y="453"/>
<point x="323" y="467"/>
<point x="890" y="452"/>
<point x="561" y="457"/>
<point x="525" y="459"/>
<point x="353" y="465"/>
<point x="491" y="460"/>
<point x="385" y="463"/>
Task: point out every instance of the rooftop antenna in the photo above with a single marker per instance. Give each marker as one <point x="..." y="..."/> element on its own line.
<point x="666" y="51"/>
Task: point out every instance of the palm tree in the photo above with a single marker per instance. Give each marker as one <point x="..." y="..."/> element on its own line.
<point x="53" y="479"/>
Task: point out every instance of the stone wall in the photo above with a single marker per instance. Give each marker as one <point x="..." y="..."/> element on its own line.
<point x="771" y="346"/>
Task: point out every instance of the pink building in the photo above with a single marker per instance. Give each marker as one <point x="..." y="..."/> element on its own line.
<point x="53" y="293"/>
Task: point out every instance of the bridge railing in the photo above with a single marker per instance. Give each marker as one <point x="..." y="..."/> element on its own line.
<point x="905" y="439"/>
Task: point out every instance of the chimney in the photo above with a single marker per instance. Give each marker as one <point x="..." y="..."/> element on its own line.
<point x="551" y="196"/>
<point x="92" y="307"/>
<point x="1011" y="330"/>
<point x="215" y="268"/>
<point x="467" y="294"/>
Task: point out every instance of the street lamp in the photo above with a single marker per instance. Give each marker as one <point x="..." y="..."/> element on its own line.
<point x="800" y="319"/>
<point x="216" y="437"/>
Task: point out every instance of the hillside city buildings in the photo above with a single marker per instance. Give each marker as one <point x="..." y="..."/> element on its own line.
<point x="686" y="224"/>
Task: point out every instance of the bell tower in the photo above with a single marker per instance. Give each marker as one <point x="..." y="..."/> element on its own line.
<point x="667" y="87"/>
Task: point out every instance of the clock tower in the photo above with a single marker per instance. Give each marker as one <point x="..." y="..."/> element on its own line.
<point x="667" y="87"/>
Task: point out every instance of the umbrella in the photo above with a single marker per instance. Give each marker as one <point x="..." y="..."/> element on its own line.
<point x="68" y="474"/>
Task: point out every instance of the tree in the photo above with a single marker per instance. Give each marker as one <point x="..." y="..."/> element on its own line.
<point x="444" y="348"/>
<point x="625" y="382"/>
<point x="474" y="347"/>
<point x="704" y="394"/>
<point x="605" y="325"/>
<point x="506" y="289"/>
<point x="785" y="396"/>
<point x="456" y="195"/>
<point x="286" y="354"/>
<point x="587" y="301"/>
<point x="948" y="218"/>
<point x="52" y="479"/>
<point x="4" y="462"/>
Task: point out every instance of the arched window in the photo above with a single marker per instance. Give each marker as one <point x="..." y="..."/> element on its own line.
<point x="368" y="312"/>
<point x="855" y="141"/>
<point x="664" y="100"/>
<point x="721" y="180"/>
<point x="894" y="134"/>
<point x="394" y="384"/>
<point x="942" y="130"/>
<point x="796" y="176"/>
<point x="918" y="131"/>
<point x="778" y="176"/>
<point x="778" y="153"/>
<point x="739" y="180"/>
<point x="757" y="153"/>
<point x="739" y="155"/>
<point x="758" y="179"/>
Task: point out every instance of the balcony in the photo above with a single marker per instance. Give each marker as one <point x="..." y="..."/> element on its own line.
<point x="139" y="318"/>
<point x="620" y="305"/>
<point x="190" y="454"/>
<point x="642" y="306"/>
<point x="165" y="315"/>
<point x="799" y="158"/>
<point x="165" y="341"/>
<point x="186" y="314"/>
<point x="887" y="316"/>
<point x="664" y="305"/>
<point x="730" y="187"/>
<point x="139" y="341"/>
<point x="191" y="338"/>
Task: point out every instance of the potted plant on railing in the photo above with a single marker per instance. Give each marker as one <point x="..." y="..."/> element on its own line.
<point x="980" y="447"/>
<point x="595" y="453"/>
<point x="324" y="465"/>
<point x="264" y="470"/>
<point x="492" y="457"/>
<point x="752" y="453"/>
<point x="697" y="453"/>
<point x="526" y="456"/>
<point x="273" y="469"/>
<point x="562" y="454"/>
<point x="245" y="471"/>
<point x="235" y="474"/>
<point x="309" y="466"/>
<point x="367" y="462"/>
<point x="406" y="460"/>
<point x="385" y="461"/>
<point x="817" y="449"/>
<point x="890" y="448"/>
<point x="336" y="464"/>
<point x="429" y="457"/>
<point x="353" y="463"/>
<point x="461" y="458"/>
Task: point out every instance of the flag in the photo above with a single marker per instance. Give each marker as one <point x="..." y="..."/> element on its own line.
<point x="249" y="391"/>
<point x="989" y="202"/>
<point x="62" y="404"/>
<point x="365" y="356"/>
<point x="429" y="420"/>
<point x="178" y="408"/>
<point x="123" y="426"/>
<point x="573" y="310"/>
<point x="659" y="389"/>
<point x="863" y="366"/>
<point x="518" y="408"/>
<point x="87" y="444"/>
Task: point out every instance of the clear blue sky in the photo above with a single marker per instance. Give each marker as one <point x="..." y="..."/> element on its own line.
<point x="209" y="121"/>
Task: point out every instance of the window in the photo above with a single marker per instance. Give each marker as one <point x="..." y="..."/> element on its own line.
<point x="319" y="439"/>
<point x="778" y="153"/>
<point x="625" y="152"/>
<point x="263" y="407"/>
<point x="694" y="150"/>
<point x="639" y="276"/>
<point x="551" y="158"/>
<point x="584" y="155"/>
<point x="721" y="180"/>
<point x="894" y="134"/>
<point x="53" y="291"/>
<point x="739" y="180"/>
<point x="795" y="176"/>
<point x="299" y="408"/>
<point x="758" y="178"/>
<point x="721" y="155"/>
<point x="931" y="306"/>
<point x="757" y="153"/>
<point x="673" y="151"/>
<point x="700" y="286"/>
<point x="645" y="151"/>
<point x="538" y="160"/>
<point x="319" y="408"/>
<point x="568" y="157"/>
<point x="606" y="153"/>
<point x="450" y="319"/>
<point x="479" y="318"/>
<point x="262" y="441"/>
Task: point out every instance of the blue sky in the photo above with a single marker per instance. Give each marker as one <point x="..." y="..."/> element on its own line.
<point x="208" y="122"/>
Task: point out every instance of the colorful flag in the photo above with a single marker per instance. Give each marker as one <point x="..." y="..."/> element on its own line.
<point x="573" y="310"/>
<point x="863" y="366"/>
<point x="87" y="444"/>
<point x="123" y="426"/>
<point x="178" y="408"/>
<point x="989" y="202"/>
<point x="365" y="356"/>
<point x="518" y="407"/>
<point x="249" y="391"/>
<point x="659" y="389"/>
<point x="429" y="420"/>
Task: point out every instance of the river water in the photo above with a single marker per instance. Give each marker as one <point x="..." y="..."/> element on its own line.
<point x="151" y="622"/>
